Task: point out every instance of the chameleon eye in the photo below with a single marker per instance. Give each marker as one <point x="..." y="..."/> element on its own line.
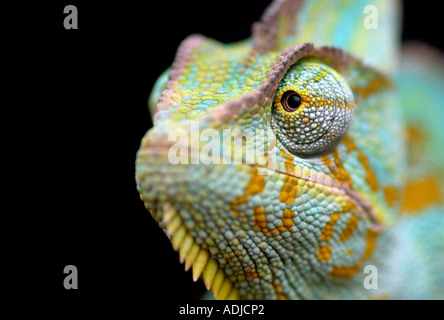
<point x="312" y="109"/>
<point x="291" y="101"/>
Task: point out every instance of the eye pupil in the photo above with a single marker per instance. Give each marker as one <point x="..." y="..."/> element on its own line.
<point x="291" y="101"/>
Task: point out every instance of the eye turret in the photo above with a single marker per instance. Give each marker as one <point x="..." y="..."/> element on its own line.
<point x="312" y="109"/>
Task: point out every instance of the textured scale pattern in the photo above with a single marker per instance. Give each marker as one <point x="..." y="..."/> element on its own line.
<point x="312" y="195"/>
<point x="325" y="113"/>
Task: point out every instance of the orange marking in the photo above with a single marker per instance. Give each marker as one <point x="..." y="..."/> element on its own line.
<point x="289" y="189"/>
<point x="289" y="165"/>
<point x="287" y="219"/>
<point x="414" y="134"/>
<point x="327" y="231"/>
<point x="272" y="144"/>
<point x="375" y="84"/>
<point x="255" y="186"/>
<point x="349" y="143"/>
<point x="350" y="271"/>
<point x="418" y="195"/>
<point x="250" y="274"/>
<point x="288" y="194"/>
<point x="370" y="240"/>
<point x="260" y="221"/>
<point x="278" y="290"/>
<point x="370" y="176"/>
<point x="336" y="167"/>
<point x="415" y="137"/>
<point x="349" y="229"/>
<point x="344" y="271"/>
<point x="324" y="253"/>
<point x="390" y="195"/>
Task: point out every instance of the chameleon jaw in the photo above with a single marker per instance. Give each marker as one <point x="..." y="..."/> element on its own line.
<point x="192" y="255"/>
<point x="154" y="152"/>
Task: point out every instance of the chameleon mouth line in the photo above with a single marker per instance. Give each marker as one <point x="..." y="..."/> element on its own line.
<point x="353" y="195"/>
<point x="199" y="259"/>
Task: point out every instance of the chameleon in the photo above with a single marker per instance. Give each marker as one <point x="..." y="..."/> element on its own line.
<point x="329" y="185"/>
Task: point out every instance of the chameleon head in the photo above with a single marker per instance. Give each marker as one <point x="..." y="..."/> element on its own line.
<point x="285" y="219"/>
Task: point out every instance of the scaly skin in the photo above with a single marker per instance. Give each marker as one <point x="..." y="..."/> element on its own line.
<point x="331" y="186"/>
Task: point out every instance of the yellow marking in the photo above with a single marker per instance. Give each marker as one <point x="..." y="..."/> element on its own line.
<point x="324" y="253"/>
<point x="380" y="298"/>
<point x="418" y="195"/>
<point x="255" y="186"/>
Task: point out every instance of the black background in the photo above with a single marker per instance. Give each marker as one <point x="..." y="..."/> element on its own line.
<point x="93" y="85"/>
